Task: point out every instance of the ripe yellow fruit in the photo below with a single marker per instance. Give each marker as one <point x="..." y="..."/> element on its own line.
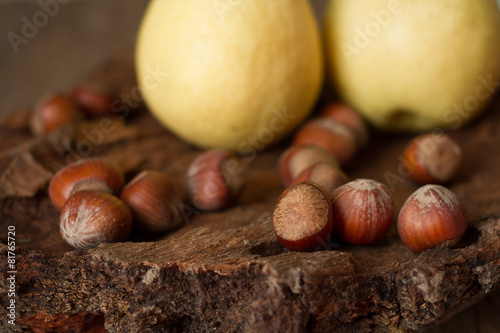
<point x="238" y="74"/>
<point x="414" y="65"/>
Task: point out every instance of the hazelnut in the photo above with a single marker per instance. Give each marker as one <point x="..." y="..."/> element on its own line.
<point x="92" y="100"/>
<point x="296" y="159"/>
<point x="362" y="211"/>
<point x="96" y="174"/>
<point x="432" y="216"/>
<point x="347" y="116"/>
<point x="154" y="201"/>
<point x="89" y="218"/>
<point x="54" y="112"/>
<point x="302" y="217"/>
<point x="214" y="180"/>
<point x="324" y="175"/>
<point x="432" y="158"/>
<point x="330" y="135"/>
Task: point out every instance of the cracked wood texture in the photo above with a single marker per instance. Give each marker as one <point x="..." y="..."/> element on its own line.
<point x="225" y="271"/>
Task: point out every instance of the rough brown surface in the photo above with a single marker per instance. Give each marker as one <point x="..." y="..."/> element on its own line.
<point x="226" y="271"/>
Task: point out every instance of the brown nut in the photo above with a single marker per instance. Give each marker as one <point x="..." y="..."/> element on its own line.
<point x="326" y="176"/>
<point x="362" y="211"/>
<point x="155" y="202"/>
<point x="347" y="116"/>
<point x="89" y="218"/>
<point x="52" y="113"/>
<point x="95" y="173"/>
<point x="296" y="159"/>
<point x="93" y="101"/>
<point x="330" y="135"/>
<point x="431" y="217"/>
<point x="432" y="158"/>
<point x="214" y="180"/>
<point x="302" y="217"/>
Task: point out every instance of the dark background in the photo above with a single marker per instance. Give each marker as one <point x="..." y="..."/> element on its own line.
<point x="83" y="34"/>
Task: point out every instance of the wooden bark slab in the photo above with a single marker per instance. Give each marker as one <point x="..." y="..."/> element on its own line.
<point x="226" y="271"/>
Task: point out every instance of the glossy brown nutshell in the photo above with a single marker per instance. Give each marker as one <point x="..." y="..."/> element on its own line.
<point x="214" y="180"/>
<point x="362" y="211"/>
<point x="432" y="216"/>
<point x="96" y="174"/>
<point x="296" y="159"/>
<point x="326" y="176"/>
<point x="155" y="202"/>
<point x="347" y="116"/>
<point x="330" y="135"/>
<point x="93" y="101"/>
<point x="302" y="217"/>
<point x="54" y="112"/>
<point x="432" y="158"/>
<point x="89" y="218"/>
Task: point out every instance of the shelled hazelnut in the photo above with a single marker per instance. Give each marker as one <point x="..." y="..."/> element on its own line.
<point x="432" y="158"/>
<point x="347" y="116"/>
<point x="54" y="112"/>
<point x="89" y="218"/>
<point x="215" y="179"/>
<point x="89" y="174"/>
<point x="362" y="211"/>
<point x="330" y="135"/>
<point x="297" y="158"/>
<point x="302" y="217"/>
<point x="324" y="175"/>
<point x="155" y="202"/>
<point x="432" y="216"/>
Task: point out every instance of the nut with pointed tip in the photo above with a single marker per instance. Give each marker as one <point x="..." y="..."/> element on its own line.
<point x="90" y="174"/>
<point x="362" y="211"/>
<point x="215" y="179"/>
<point x="302" y="217"/>
<point x="296" y="159"/>
<point x="155" y="202"/>
<point x="432" y="158"/>
<point x="94" y="101"/>
<point x="347" y="116"/>
<point x="324" y="175"/>
<point x="54" y="112"/>
<point x="89" y="218"/>
<point x="330" y="135"/>
<point x="431" y="217"/>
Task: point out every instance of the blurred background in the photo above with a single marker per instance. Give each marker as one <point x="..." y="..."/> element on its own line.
<point x="80" y="35"/>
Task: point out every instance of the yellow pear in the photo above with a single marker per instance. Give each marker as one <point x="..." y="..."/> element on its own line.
<point x="414" y="65"/>
<point x="234" y="74"/>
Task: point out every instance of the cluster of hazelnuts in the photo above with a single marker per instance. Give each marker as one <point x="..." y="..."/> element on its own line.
<point x="321" y="202"/>
<point x="97" y="206"/>
<point x="62" y="109"/>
